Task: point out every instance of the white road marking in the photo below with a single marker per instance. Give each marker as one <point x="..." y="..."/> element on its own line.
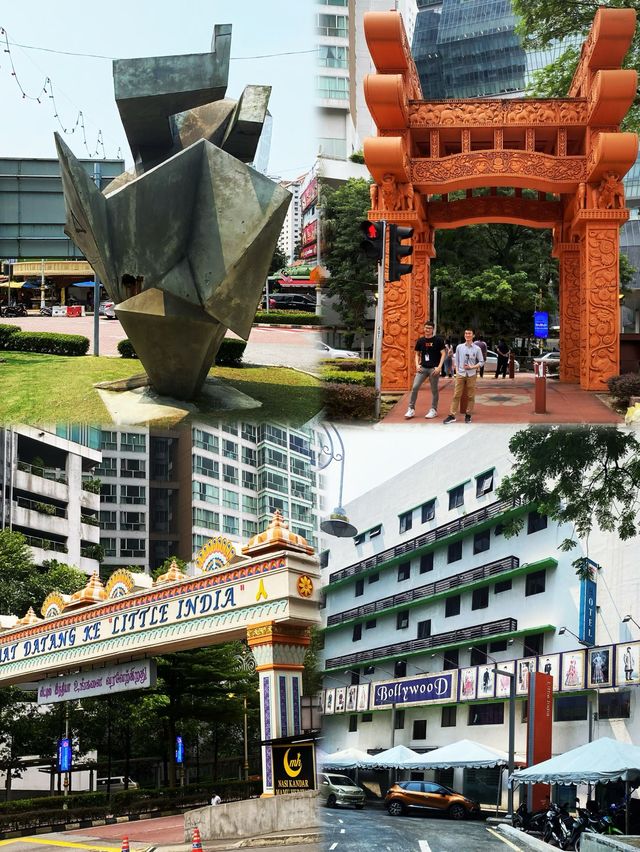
<point x="424" y="846"/>
<point x="504" y="839"/>
<point x="340" y="822"/>
<point x="332" y="847"/>
<point x="342" y="830"/>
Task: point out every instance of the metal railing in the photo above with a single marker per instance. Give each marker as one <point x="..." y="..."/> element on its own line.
<point x="406" y="548"/>
<point x="482" y="572"/>
<point x="46" y="544"/>
<point x="41" y="507"/>
<point x="55" y="474"/>
<point x="452" y="638"/>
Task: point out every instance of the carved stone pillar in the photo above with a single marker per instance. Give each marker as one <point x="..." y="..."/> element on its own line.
<point x="279" y="651"/>
<point x="599" y="304"/>
<point x="569" y="260"/>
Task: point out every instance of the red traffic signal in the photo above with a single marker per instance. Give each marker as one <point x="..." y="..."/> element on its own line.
<point x="398" y="252"/>
<point x="372" y="246"/>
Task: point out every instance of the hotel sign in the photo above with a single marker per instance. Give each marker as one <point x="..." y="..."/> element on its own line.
<point x="588" y="592"/>
<point x="103" y="681"/>
<point x="441" y="687"/>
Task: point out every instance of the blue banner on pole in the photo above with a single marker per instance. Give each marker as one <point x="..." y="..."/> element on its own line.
<point x="541" y="323"/>
<point x="587" y="623"/>
<point x="64" y="755"/>
<point x="179" y="750"/>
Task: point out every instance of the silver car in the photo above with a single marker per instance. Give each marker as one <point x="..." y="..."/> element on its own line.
<point x="337" y="790"/>
<point x="491" y="362"/>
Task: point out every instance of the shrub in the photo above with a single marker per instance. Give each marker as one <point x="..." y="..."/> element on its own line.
<point x="126" y="350"/>
<point x="347" y="365"/>
<point x="230" y="352"/>
<point x="349" y="402"/>
<point x="622" y="388"/>
<point x="6" y="331"/>
<point x="48" y="343"/>
<point x="349" y="377"/>
<point x="288" y="318"/>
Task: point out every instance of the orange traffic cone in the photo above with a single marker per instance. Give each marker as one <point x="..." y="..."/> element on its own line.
<point x="196" y="844"/>
<point x="125" y="844"/>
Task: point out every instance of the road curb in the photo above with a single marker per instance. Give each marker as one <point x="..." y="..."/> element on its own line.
<point x="523" y="838"/>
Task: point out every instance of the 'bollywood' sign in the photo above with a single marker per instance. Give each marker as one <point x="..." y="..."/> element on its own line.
<point x="441" y="687"/>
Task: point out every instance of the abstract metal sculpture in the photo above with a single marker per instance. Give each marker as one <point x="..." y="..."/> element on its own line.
<point x="182" y="242"/>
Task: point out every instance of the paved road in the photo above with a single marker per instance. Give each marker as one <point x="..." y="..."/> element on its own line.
<point x="349" y="830"/>
<point x="278" y="347"/>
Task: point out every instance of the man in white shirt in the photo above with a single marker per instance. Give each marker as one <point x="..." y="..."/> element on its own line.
<point x="466" y="363"/>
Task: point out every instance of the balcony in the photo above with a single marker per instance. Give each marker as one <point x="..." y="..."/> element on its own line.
<point x="450" y="639"/>
<point x="39" y="516"/>
<point x="44" y="482"/>
<point x="423" y="543"/>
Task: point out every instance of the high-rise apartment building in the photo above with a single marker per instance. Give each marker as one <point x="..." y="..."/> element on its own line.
<point x="49" y="491"/>
<point x="168" y="492"/>
<point x="291" y="228"/>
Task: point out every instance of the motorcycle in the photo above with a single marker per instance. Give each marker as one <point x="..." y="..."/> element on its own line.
<point x="584" y="824"/>
<point x="13" y="311"/>
<point x="531" y="822"/>
<point x="558" y="826"/>
<point x="46" y="311"/>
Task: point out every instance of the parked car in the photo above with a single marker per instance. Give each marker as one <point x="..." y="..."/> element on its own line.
<point x="551" y="359"/>
<point x="107" y="309"/>
<point x="291" y="302"/>
<point x="491" y="362"/>
<point x="116" y="783"/>
<point x="406" y="796"/>
<point x="337" y="790"/>
<point x="330" y="352"/>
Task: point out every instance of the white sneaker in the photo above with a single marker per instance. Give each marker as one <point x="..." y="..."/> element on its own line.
<point x="431" y="414"/>
<point x="410" y="413"/>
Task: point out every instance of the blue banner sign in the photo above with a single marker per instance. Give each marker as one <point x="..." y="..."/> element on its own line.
<point x="420" y="690"/>
<point x="587" y="622"/>
<point x="541" y="324"/>
<point x="179" y="750"/>
<point x="64" y="755"/>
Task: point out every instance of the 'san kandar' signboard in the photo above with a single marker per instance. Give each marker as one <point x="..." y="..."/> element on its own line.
<point x="294" y="768"/>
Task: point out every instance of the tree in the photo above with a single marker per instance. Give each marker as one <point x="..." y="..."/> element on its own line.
<point x="162" y="569"/>
<point x="580" y="476"/>
<point x="352" y="276"/>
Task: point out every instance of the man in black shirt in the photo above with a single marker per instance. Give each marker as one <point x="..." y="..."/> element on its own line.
<point x="430" y="352"/>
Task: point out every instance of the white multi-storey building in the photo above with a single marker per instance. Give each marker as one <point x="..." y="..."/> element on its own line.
<point x="290" y="233"/>
<point x="432" y="584"/>
<point x="48" y="492"/>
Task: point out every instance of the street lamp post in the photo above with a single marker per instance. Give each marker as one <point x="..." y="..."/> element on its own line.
<point x="338" y="523"/>
<point x="245" y="662"/>
<point x="629" y="618"/>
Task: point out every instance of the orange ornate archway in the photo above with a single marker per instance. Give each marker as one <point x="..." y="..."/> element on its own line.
<point x="570" y="151"/>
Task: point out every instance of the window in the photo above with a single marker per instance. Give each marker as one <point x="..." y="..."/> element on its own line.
<point x="109" y="545"/>
<point x="249" y="432"/>
<point x="486" y="714"/>
<point x="536" y="522"/>
<point x="230" y="499"/>
<point x="229" y="449"/>
<point x="333" y="88"/>
<point x="249" y="480"/>
<point x="366" y="717"/>
<point x="230" y="474"/>
<point x="332" y="56"/>
<point x="402" y="619"/>
<point x="535" y="583"/>
<point x="108" y="440"/>
<point x="400" y="668"/>
<point x="336" y="26"/>
<point x="355" y="677"/>
<point x="107" y="467"/>
<point x="108" y="493"/>
<point x="534" y="645"/>
<point x="406" y="521"/>
<point x="373" y="578"/>
<point x="324" y="559"/>
<point x="502" y="586"/>
<point x="449" y="713"/>
<point x="404" y="571"/>
<point x="424" y="629"/>
<point x="454" y="552"/>
<point x="250" y="507"/>
<point x="205" y="518"/>
<point x="205" y="492"/>
<point x="452" y="606"/>
<point x="484" y="483"/>
<point x="230" y="525"/>
<point x="206" y="467"/>
<point x="398" y="722"/>
<point x="108" y="520"/>
<point x="369" y="625"/>
<point x="132" y="547"/>
<point x="353" y="724"/>
<point x="428" y="511"/>
<point x="524" y="717"/>
<point x="132" y="494"/>
<point x="614" y="705"/>
<point x="478" y="656"/>
<point x="419" y="729"/>
<point x="456" y="497"/>
<point x="480" y="598"/>
<point x="426" y="563"/>
<point x="357" y="633"/>
<point x="249" y="529"/>
<point x="249" y="456"/>
<point x="570" y="708"/>
<point x="205" y="440"/>
<point x="369" y="670"/>
<point x="375" y="531"/>
<point x="358" y="539"/>
<point x="451" y="659"/>
<point x="359" y="587"/>
<point x="499" y="645"/>
<point x="132" y="521"/>
<point x="482" y="541"/>
<point x="132" y="443"/>
<point x="499" y="529"/>
<point x="230" y="428"/>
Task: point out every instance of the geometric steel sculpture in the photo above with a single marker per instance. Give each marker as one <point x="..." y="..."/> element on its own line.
<point x="183" y="242"/>
<point x="570" y="151"/>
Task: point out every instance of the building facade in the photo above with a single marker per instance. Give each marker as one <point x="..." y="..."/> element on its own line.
<point x="50" y="494"/>
<point x="167" y="493"/>
<point x="290" y="233"/>
<point x="432" y="585"/>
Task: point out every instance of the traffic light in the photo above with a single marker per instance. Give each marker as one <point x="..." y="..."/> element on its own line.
<point x="398" y="252"/>
<point x="372" y="245"/>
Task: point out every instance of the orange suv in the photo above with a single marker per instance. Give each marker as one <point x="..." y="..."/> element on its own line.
<point x="425" y="795"/>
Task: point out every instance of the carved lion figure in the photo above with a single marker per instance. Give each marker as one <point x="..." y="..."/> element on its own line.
<point x="389" y="191"/>
<point x="610" y="192"/>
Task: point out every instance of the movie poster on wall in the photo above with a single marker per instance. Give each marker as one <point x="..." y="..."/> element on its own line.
<point x="628" y="663"/>
<point x="600" y="668"/>
<point x="485" y="681"/>
<point x="363" y="698"/>
<point x="352" y="699"/>
<point x="550" y="664"/>
<point x="341" y="699"/>
<point x="329" y="701"/>
<point x="503" y="682"/>
<point x="572" y="671"/>
<point x="468" y="682"/>
<point x="525" y="668"/>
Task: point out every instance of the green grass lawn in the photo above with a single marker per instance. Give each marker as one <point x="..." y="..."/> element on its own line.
<point x="41" y="389"/>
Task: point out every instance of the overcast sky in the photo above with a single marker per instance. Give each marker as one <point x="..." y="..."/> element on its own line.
<point x="277" y="35"/>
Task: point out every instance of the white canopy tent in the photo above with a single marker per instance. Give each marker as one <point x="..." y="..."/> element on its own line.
<point x="465" y="754"/>
<point x="398" y="757"/>
<point x="597" y="762"/>
<point x="347" y="758"/>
